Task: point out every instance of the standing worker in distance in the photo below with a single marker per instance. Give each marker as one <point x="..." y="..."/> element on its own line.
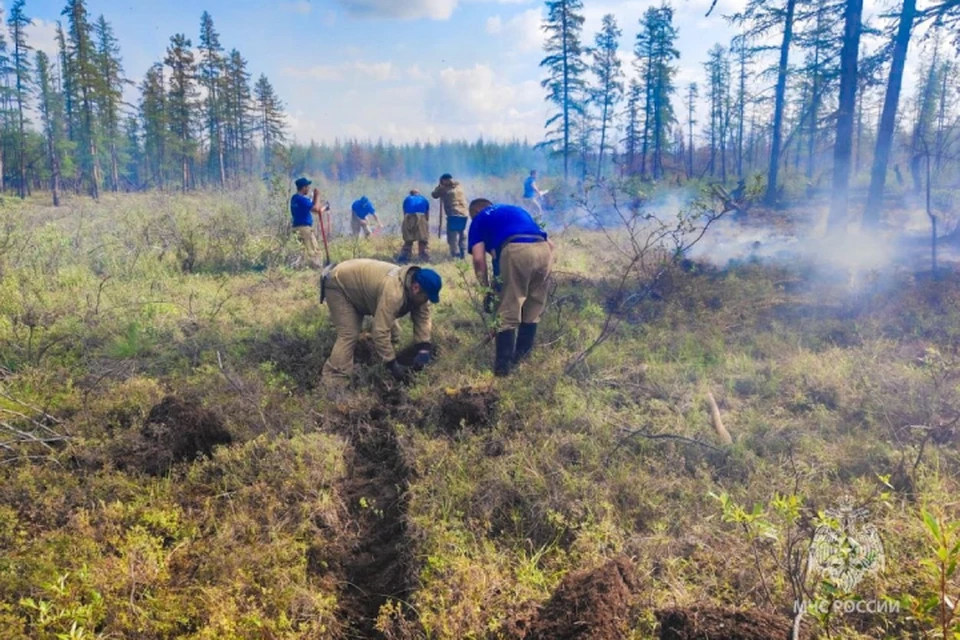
<point x="532" y="193"/>
<point x="362" y="287"/>
<point x="363" y="209"/>
<point x="522" y="255"/>
<point x="415" y="227"/>
<point x="450" y="194"/>
<point x="302" y="209"/>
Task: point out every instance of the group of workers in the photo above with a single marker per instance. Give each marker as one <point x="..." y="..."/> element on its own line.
<point x="521" y="252"/>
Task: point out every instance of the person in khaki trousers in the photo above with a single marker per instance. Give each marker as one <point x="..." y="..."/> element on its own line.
<point x="362" y="287"/>
<point x="302" y="209"/>
<point x="522" y="257"/>
<point x="450" y="193"/>
<point x="415" y="227"/>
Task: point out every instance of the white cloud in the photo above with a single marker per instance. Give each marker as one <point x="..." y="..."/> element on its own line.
<point x="523" y="31"/>
<point x="42" y="36"/>
<point x="403" y="9"/>
<point x="412" y="9"/>
<point x="379" y="71"/>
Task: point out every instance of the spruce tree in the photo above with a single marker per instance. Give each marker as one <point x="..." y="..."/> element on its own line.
<point x="20" y="57"/>
<point x="607" y="93"/>
<point x="564" y="83"/>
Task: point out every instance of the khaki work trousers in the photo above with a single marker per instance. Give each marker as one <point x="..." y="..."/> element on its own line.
<point x="358" y="227"/>
<point x="415" y="228"/>
<point x="311" y="251"/>
<point x="348" y="322"/>
<point x="524" y="270"/>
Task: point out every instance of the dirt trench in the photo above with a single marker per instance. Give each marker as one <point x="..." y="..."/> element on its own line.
<point x="377" y="566"/>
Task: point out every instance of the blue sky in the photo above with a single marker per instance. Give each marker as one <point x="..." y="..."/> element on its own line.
<point x="398" y="69"/>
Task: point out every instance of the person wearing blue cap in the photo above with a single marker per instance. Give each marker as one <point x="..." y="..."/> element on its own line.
<point x="362" y="209"/>
<point x="363" y="287"/>
<point x="302" y="209"/>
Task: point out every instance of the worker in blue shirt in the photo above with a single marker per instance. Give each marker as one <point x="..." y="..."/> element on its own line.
<point x="532" y="194"/>
<point x="302" y="209"/>
<point x="363" y="209"/>
<point x="522" y="255"/>
<point x="415" y="227"/>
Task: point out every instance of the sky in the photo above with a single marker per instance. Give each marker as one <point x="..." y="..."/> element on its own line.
<point x="401" y="70"/>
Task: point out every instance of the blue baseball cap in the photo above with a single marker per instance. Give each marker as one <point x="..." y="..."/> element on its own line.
<point x="302" y="182"/>
<point x="429" y="280"/>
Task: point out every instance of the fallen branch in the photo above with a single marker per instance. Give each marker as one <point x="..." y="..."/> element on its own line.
<point x="642" y="433"/>
<point x="717" y="421"/>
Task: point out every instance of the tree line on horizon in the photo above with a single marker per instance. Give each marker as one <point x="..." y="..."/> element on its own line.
<point x="797" y="91"/>
<point x="200" y="119"/>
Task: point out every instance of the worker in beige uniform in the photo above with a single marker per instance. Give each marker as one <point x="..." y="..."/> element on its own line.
<point x="451" y="195"/>
<point x="357" y="288"/>
<point x="522" y="259"/>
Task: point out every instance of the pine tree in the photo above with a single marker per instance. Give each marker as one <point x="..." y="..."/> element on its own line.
<point x="843" y="145"/>
<point x="6" y="99"/>
<point x="237" y="100"/>
<point x="564" y="83"/>
<point x="110" y="94"/>
<point x="271" y="121"/>
<point x="760" y="18"/>
<point x="182" y="100"/>
<point x="50" y="106"/>
<point x="607" y="93"/>
<point x="633" y="129"/>
<point x="718" y="77"/>
<point x="692" y="94"/>
<point x="212" y="78"/>
<point x="17" y="23"/>
<point x="156" y="128"/>
<point x="86" y="76"/>
<point x="655" y="51"/>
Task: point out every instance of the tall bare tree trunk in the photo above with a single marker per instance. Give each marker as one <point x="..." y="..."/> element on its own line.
<point x="843" y="147"/>
<point x="881" y="156"/>
<point x="780" y="100"/>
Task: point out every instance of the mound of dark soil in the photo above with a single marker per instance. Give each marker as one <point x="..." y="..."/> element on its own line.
<point x="588" y="605"/>
<point x="176" y="430"/>
<point x="469" y="407"/>
<point x="708" y="623"/>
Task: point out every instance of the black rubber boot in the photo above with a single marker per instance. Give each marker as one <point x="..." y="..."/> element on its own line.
<point x="526" y="336"/>
<point x="506" y="342"/>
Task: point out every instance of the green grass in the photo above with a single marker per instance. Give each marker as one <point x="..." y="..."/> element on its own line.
<point x="107" y="307"/>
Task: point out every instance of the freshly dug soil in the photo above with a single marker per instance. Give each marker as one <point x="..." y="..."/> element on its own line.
<point x="176" y="430"/>
<point x="468" y="408"/>
<point x="588" y="605"/>
<point x="710" y="623"/>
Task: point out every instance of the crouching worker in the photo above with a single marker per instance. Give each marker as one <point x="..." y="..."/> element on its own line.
<point x="522" y="255"/>
<point x="363" y="210"/>
<point x="361" y="287"/>
<point x="416" y="227"/>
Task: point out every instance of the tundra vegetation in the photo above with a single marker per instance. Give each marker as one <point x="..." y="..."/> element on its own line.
<point x="709" y="387"/>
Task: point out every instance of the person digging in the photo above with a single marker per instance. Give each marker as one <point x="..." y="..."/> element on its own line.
<point x="363" y="211"/>
<point x="522" y="256"/>
<point x="415" y="227"/>
<point x="302" y="209"/>
<point x="362" y="287"/>
<point x="454" y="204"/>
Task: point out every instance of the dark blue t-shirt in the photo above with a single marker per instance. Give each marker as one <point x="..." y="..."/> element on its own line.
<point x="416" y="204"/>
<point x="528" y="191"/>
<point x="495" y="225"/>
<point x="300" y="209"/>
<point x="363" y="208"/>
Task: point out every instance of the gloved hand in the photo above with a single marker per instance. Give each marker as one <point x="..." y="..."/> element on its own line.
<point x="398" y="371"/>
<point x="490" y="303"/>
<point x="424" y="356"/>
